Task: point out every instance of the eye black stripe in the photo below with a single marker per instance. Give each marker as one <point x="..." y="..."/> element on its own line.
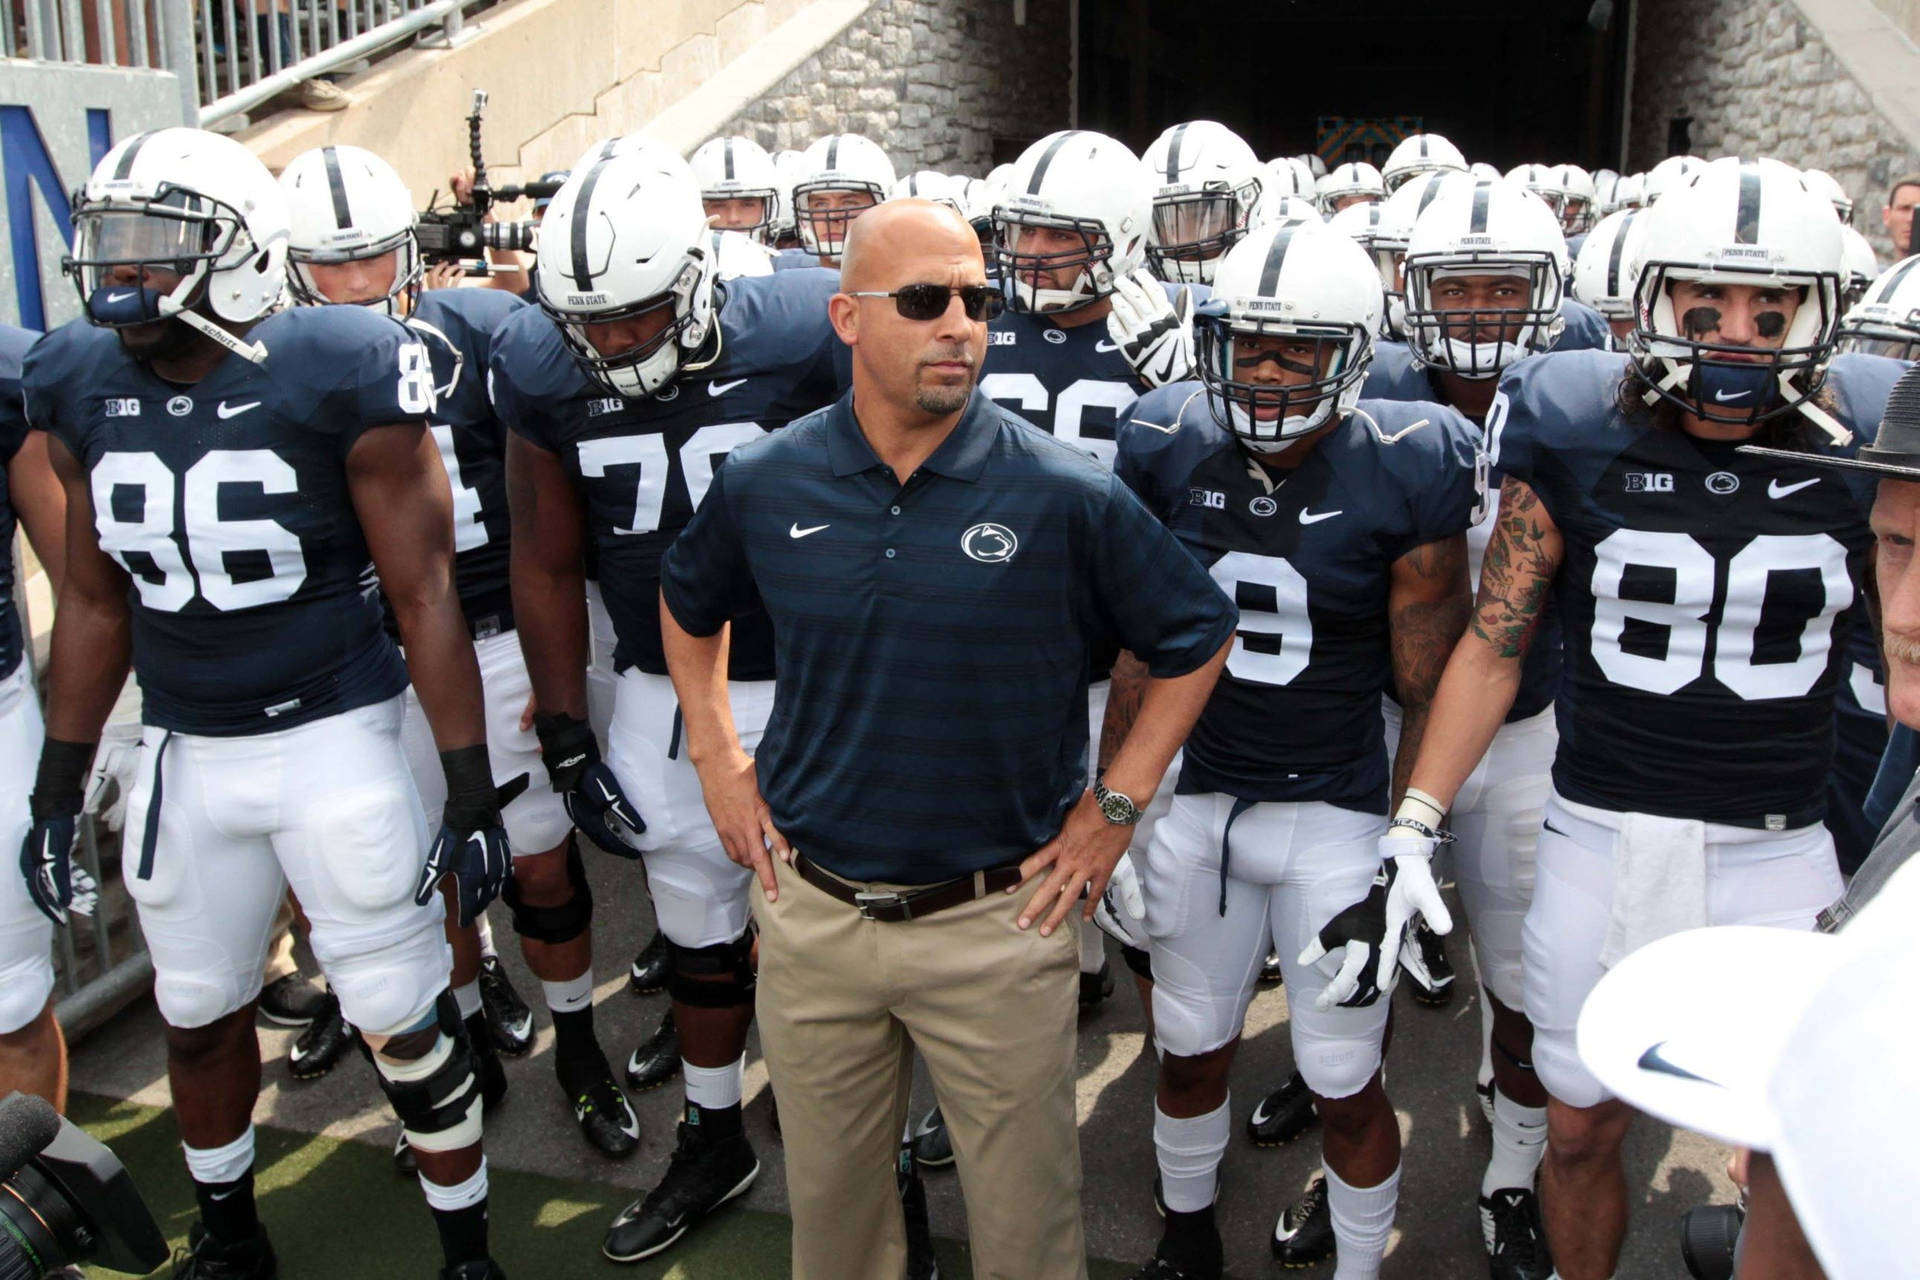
<point x="337" y="187"/>
<point x="1746" y="228"/>
<point x="1617" y="253"/>
<point x="582" y="210"/>
<point x="1276" y="255"/>
<point x="124" y="170"/>
<point x="1482" y="194"/>
<point x="1046" y="158"/>
<point x="1173" y="153"/>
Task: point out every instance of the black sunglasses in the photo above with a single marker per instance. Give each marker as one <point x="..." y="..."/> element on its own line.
<point x="929" y="301"/>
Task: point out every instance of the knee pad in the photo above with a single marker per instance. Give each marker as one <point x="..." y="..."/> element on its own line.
<point x="1183" y="1028"/>
<point x="716" y="977"/>
<point x="1337" y="1068"/>
<point x="558" y="924"/>
<point x="437" y="1095"/>
<point x="187" y="1001"/>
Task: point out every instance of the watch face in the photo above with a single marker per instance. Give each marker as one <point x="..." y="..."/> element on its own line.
<point x="1116" y="807"/>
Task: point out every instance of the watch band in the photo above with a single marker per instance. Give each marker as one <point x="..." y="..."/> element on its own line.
<point x="1116" y="808"/>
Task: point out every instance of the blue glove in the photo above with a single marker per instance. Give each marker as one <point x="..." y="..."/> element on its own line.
<point x="471" y="845"/>
<point x="592" y="793"/>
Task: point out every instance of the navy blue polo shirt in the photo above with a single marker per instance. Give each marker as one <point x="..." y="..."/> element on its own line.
<point x="933" y="638"/>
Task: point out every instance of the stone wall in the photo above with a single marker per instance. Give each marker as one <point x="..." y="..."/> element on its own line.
<point x="1758" y="79"/>
<point x="936" y="82"/>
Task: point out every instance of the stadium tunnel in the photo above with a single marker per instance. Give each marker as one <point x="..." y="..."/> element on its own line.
<point x="1510" y="83"/>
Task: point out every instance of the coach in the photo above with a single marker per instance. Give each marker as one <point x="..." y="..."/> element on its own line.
<point x="937" y="572"/>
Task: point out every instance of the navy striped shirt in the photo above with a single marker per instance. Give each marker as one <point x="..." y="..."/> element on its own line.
<point x="932" y="638"/>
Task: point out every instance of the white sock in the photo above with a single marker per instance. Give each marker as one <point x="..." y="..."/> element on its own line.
<point x="1362" y="1221"/>
<point x="461" y="1195"/>
<point x="468" y="998"/>
<point x="1093" y="947"/>
<point x="1190" y="1151"/>
<point x="212" y="1166"/>
<point x="714" y="1087"/>
<point x="1519" y="1142"/>
<point x="566" y="997"/>
<point x="1485" y="1076"/>
<point x="484" y="927"/>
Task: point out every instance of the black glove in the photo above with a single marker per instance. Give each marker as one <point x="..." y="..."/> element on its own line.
<point x="1358" y="934"/>
<point x="46" y="855"/>
<point x="592" y="794"/>
<point x="471" y="845"/>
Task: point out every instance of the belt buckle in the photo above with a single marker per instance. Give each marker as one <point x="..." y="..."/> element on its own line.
<point x="865" y="901"/>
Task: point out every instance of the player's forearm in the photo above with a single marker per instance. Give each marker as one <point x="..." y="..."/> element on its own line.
<point x="1444" y="741"/>
<point x="698" y="666"/>
<point x="42" y="506"/>
<point x="92" y="648"/>
<point x="1124" y="694"/>
<point x="440" y="662"/>
<point x="550" y="612"/>
<point x="1168" y="709"/>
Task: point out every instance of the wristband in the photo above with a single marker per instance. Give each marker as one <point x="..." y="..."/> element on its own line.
<point x="471" y="801"/>
<point x="567" y="747"/>
<point x="1421" y="807"/>
<point x="59" y="787"/>
<point x="1420" y="828"/>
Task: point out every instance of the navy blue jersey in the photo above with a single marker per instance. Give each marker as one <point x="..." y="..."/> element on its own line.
<point x="253" y="604"/>
<point x="1308" y="557"/>
<point x="1704" y="594"/>
<point x="642" y="466"/>
<point x="457" y="327"/>
<point x="1586" y="329"/>
<point x="1575" y="243"/>
<point x="13" y="431"/>
<point x="1396" y="375"/>
<point x="797" y="260"/>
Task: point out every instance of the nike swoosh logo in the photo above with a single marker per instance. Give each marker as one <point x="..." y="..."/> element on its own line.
<point x="1106" y="346"/>
<point x="1259" y="1115"/>
<point x="118" y="297"/>
<point x="1738" y="395"/>
<point x="1654" y="1060"/>
<point x="225" y="410"/>
<point x="1777" y="490"/>
<point x="795" y="531"/>
<point x="1307" y="517"/>
<point x="721" y="388"/>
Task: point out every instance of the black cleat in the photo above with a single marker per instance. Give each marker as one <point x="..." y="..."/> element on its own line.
<point x="321" y="1045"/>
<point x="1189" y="1248"/>
<point x="1270" y="974"/>
<point x="509" y="1021"/>
<point x="703" y="1174"/>
<point x="291" y="1001"/>
<point x="485" y="1269"/>
<point x="205" y="1258"/>
<point x="1283" y="1115"/>
<point x="606" y="1120"/>
<point x="1095" y="987"/>
<point x="1515" y="1239"/>
<point x="1158" y="1268"/>
<point x="1423" y="958"/>
<point x="648" y="973"/>
<point x="921" y="1262"/>
<point x="657" y="1060"/>
<point x="1304" y="1234"/>
<point x="932" y="1144"/>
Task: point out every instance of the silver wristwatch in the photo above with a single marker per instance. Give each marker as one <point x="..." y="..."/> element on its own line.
<point x="1114" y="807"/>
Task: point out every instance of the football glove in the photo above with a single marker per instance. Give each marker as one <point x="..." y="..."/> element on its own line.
<point x="471" y="845"/>
<point x="1355" y="941"/>
<point x="592" y="793"/>
<point x="1408" y="846"/>
<point x="1154" y="332"/>
<point x="1122" y="909"/>
<point x="55" y="884"/>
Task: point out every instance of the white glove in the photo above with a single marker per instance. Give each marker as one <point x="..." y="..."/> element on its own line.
<point x="1153" y="332"/>
<point x="1122" y="909"/>
<point x="116" y="768"/>
<point x="1412" y="891"/>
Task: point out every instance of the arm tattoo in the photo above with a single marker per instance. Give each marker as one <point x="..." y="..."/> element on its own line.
<point x="1423" y="631"/>
<point x="1129" y="689"/>
<point x="1522" y="558"/>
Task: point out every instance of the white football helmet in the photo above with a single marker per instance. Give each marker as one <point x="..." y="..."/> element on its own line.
<point x="736" y="254"/>
<point x="1207" y="188"/>
<point x="622" y="240"/>
<point x="1481" y="171"/>
<point x="1887" y="321"/>
<point x="786" y="172"/>
<point x="839" y="162"/>
<point x="1670" y="175"/>
<point x="190" y="204"/>
<point x="1364" y="224"/>
<point x="1288" y="177"/>
<point x="1825" y="185"/>
<point x="1308" y="283"/>
<point x="1630" y="192"/>
<point x="1289" y="209"/>
<point x="1579" y="208"/>
<point x="1397" y="216"/>
<point x="658" y="156"/>
<point x="344" y="204"/>
<point x="1745" y="222"/>
<point x="1603" y="273"/>
<point x="1351" y="182"/>
<point x="1420" y="153"/>
<point x="736" y="168"/>
<point x="1315" y="165"/>
<point x="929" y="184"/>
<point x="1488" y="229"/>
<point x="1862" y="267"/>
<point x="1082" y="184"/>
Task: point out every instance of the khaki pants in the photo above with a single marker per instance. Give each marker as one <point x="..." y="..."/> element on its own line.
<point x="842" y="1004"/>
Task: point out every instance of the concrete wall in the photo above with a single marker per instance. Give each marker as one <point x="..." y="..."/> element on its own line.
<point x="1830" y="84"/>
<point x="937" y="82"/>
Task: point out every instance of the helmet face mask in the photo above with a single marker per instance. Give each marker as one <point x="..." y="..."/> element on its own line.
<point x="1033" y="275"/>
<point x="1267" y="416"/>
<point x="637" y="369"/>
<point x="1193" y="230"/>
<point x="824" y="212"/>
<point x="178" y="235"/>
<point x="1731" y="382"/>
<point x="400" y="294"/>
<point x="759" y="207"/>
<point x="347" y="205"/>
<point x="1887" y="321"/>
<point x="1472" y="340"/>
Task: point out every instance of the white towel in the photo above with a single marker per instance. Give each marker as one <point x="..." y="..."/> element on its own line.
<point x="1660" y="882"/>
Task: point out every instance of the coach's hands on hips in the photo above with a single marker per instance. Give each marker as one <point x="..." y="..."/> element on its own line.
<point x="1153" y="332"/>
<point x="1082" y="858"/>
<point x="742" y="820"/>
<point x="589" y="789"/>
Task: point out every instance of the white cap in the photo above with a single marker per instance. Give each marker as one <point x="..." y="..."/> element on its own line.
<point x="1802" y="1045"/>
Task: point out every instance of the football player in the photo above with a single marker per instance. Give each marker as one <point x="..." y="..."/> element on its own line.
<point x="1339" y="528"/>
<point x="1355" y="182"/>
<point x="229" y="474"/>
<point x="839" y="177"/>
<point x="33" y="1053"/>
<point x="630" y="384"/>
<point x="1417" y="154"/>
<point x="1603" y="272"/>
<point x="1704" y="598"/>
<point x="738" y="187"/>
<point x="1207" y="191"/>
<point x="353" y="243"/>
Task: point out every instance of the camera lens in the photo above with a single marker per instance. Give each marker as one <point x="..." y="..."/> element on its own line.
<point x="1708" y="1236"/>
<point x="41" y="1230"/>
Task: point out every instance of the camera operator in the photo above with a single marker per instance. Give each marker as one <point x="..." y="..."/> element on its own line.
<point x="509" y="272"/>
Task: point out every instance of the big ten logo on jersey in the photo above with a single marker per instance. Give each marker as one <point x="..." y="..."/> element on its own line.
<point x="646" y="460"/>
<point x="122" y="406"/>
<point x="1001" y="337"/>
<point x="1083" y="414"/>
<point x="1211" y="499"/>
<point x="1649" y="482"/>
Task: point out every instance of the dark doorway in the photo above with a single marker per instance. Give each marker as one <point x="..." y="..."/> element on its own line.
<point x="1510" y="81"/>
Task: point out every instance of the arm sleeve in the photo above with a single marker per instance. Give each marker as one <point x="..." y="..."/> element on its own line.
<point x="1153" y="595"/>
<point x="704" y="577"/>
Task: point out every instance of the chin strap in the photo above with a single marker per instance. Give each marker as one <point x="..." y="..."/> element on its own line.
<point x="1819" y="417"/>
<point x="251" y="351"/>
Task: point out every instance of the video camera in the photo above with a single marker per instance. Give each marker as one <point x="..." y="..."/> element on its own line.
<point x="66" y="1199"/>
<point x="461" y="232"/>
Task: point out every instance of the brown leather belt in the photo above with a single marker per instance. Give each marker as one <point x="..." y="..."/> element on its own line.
<point x="891" y="907"/>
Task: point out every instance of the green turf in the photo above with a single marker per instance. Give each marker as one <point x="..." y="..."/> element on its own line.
<point x="337" y="1212"/>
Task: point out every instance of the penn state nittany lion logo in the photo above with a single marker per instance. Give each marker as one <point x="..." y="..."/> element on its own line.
<point x="989" y="543"/>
